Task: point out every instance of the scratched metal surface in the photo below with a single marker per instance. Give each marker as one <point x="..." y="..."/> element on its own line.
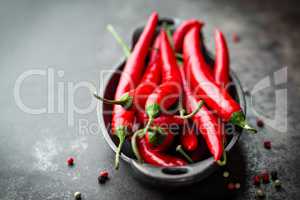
<point x="68" y="39"/>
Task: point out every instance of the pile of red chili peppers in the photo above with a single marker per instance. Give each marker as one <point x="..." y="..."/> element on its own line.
<point x="167" y="81"/>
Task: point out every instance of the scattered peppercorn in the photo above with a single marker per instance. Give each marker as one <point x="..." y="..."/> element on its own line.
<point x="277" y="184"/>
<point x="231" y="186"/>
<point x="274" y="175"/>
<point x="260" y="193"/>
<point x="226" y="174"/>
<point x="260" y="123"/>
<point x="77" y="196"/>
<point x="267" y="144"/>
<point x="256" y="180"/>
<point x="237" y="186"/>
<point x="235" y="37"/>
<point x="70" y="161"/>
<point x="103" y="177"/>
<point x="265" y="177"/>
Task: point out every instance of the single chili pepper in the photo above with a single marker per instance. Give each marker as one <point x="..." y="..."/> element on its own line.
<point x="203" y="82"/>
<point x="205" y="121"/>
<point x="189" y="139"/>
<point x="182" y="29"/>
<point x="169" y="91"/>
<point x="122" y="119"/>
<point x="163" y="120"/>
<point x="221" y="67"/>
<point x="144" y="153"/>
<point x="159" y="139"/>
<point x="149" y="82"/>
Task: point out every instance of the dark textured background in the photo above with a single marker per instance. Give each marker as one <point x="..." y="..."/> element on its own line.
<point x="71" y="36"/>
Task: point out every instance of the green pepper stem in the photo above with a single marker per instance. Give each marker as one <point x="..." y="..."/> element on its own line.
<point x="124" y="46"/>
<point x="121" y="135"/>
<point x="238" y="118"/>
<point x="180" y="150"/>
<point x="192" y="114"/>
<point x="125" y="101"/>
<point x="149" y="123"/>
<point x="134" y="146"/>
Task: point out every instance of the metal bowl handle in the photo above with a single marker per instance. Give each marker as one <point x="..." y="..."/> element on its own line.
<point x="174" y="175"/>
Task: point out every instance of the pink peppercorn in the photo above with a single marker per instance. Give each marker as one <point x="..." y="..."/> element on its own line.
<point x="70" y="161"/>
<point x="260" y="123"/>
<point x="256" y="180"/>
<point x="265" y="177"/>
<point x="267" y="144"/>
<point x="103" y="176"/>
<point x="231" y="186"/>
<point x="235" y="37"/>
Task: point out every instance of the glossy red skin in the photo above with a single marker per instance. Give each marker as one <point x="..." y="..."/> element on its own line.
<point x="169" y="91"/>
<point x="181" y="31"/>
<point x="206" y="122"/>
<point x="162" y="120"/>
<point x="166" y="143"/>
<point x="150" y="79"/>
<point x="133" y="68"/>
<point x="157" y="158"/>
<point x="202" y="80"/>
<point x="221" y="67"/>
<point x="189" y="139"/>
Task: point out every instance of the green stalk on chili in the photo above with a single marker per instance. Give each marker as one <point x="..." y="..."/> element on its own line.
<point x="202" y="81"/>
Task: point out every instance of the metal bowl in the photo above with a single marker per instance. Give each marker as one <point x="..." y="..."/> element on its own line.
<point x="164" y="176"/>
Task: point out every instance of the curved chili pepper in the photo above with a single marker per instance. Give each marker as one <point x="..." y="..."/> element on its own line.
<point x="122" y="119"/>
<point x="169" y="91"/>
<point x="203" y="82"/>
<point x="182" y="29"/>
<point x="163" y="120"/>
<point x="159" y="140"/>
<point x="204" y="120"/>
<point x="156" y="158"/>
<point x="221" y="67"/>
<point x="148" y="83"/>
<point x="189" y="139"/>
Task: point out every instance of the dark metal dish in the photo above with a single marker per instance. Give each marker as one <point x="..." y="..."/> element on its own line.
<point x="167" y="176"/>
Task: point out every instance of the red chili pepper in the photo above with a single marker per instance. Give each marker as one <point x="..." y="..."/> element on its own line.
<point x="163" y="120"/>
<point x="189" y="139"/>
<point x="156" y="158"/>
<point x="169" y="91"/>
<point x="203" y="82"/>
<point x="122" y="119"/>
<point x="182" y="29"/>
<point x="221" y="68"/>
<point x="158" y="140"/>
<point x="148" y="83"/>
<point x="205" y="121"/>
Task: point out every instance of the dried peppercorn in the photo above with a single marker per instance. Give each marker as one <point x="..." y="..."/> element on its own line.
<point x="260" y="123"/>
<point x="256" y="180"/>
<point x="265" y="177"/>
<point x="70" y="161"/>
<point x="260" y="193"/>
<point x="77" y="195"/>
<point x="274" y="175"/>
<point x="237" y="186"/>
<point x="230" y="186"/>
<point x="103" y="177"/>
<point x="277" y="184"/>
<point x="267" y="144"/>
